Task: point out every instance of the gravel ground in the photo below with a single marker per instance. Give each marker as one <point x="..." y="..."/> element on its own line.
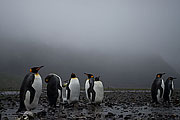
<point x="117" y="105"/>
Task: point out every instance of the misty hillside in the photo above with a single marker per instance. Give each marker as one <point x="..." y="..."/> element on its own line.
<point x="131" y="70"/>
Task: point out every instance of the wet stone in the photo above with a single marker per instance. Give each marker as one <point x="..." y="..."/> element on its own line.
<point x="116" y="105"/>
<point x="110" y="114"/>
<point x="139" y="114"/>
<point x="127" y="117"/>
<point x="120" y="116"/>
<point x="5" y="118"/>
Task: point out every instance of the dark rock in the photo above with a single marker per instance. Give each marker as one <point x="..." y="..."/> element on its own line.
<point x="173" y="116"/>
<point x="127" y="117"/>
<point x="139" y="114"/>
<point x="5" y="118"/>
<point x="41" y="114"/>
<point x="120" y="116"/>
<point x="109" y="115"/>
<point x="160" y="115"/>
<point x="63" y="116"/>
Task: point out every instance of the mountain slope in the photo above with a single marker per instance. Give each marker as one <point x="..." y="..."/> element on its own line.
<point x="131" y="70"/>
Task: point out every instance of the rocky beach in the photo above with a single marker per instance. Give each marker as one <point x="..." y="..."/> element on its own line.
<point x="117" y="105"/>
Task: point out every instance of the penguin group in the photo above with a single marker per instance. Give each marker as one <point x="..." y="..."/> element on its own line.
<point x="161" y="90"/>
<point x="69" y="92"/>
<point x="31" y="89"/>
<point x="94" y="89"/>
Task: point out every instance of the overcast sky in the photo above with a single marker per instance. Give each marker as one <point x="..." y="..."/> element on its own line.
<point x="104" y="26"/>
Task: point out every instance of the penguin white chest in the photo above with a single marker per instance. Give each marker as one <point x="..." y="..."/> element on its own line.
<point x="64" y="97"/>
<point x="172" y="85"/>
<point x="159" y="97"/>
<point x="162" y="84"/>
<point x="86" y="88"/>
<point x="99" y="89"/>
<point x="74" y="87"/>
<point x="170" y="92"/>
<point x="37" y="85"/>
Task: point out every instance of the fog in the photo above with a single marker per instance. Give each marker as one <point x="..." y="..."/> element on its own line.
<point x="125" y="42"/>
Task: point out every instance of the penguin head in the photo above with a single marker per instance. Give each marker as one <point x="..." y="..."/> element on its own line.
<point x="51" y="76"/>
<point x="48" y="78"/>
<point x="64" y="84"/>
<point x="97" y="78"/>
<point x="73" y="75"/>
<point x="171" y="78"/>
<point x="35" y="69"/>
<point x="159" y="75"/>
<point x="89" y="75"/>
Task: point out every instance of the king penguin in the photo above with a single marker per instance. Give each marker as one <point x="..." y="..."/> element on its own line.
<point x="89" y="84"/>
<point x="157" y="88"/>
<point x="99" y="90"/>
<point x="73" y="89"/>
<point x="64" y="98"/>
<point x="94" y="89"/>
<point x="169" y="88"/>
<point x="30" y="90"/>
<point x="54" y="89"/>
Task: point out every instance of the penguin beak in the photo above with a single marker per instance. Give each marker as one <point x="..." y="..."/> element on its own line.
<point x="163" y="73"/>
<point x="174" y="78"/>
<point x="39" y="68"/>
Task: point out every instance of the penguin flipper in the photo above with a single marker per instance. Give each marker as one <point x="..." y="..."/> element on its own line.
<point x="172" y="90"/>
<point x="93" y="95"/>
<point x="60" y="88"/>
<point x="89" y="91"/>
<point x="161" y="92"/>
<point x="68" y="93"/>
<point x="91" y="82"/>
<point x="32" y="94"/>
